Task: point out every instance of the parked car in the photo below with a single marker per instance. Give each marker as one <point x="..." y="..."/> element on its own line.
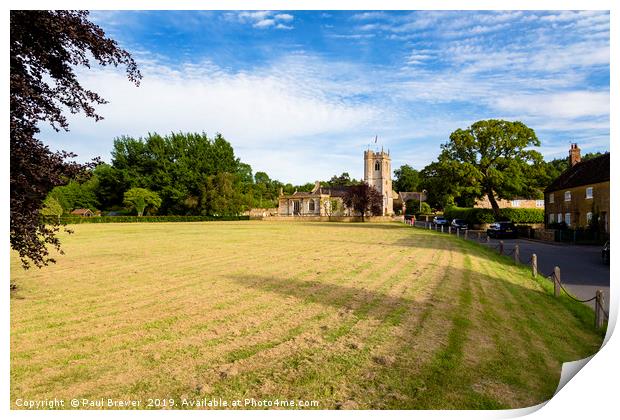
<point x="605" y="253"/>
<point x="502" y="230"/>
<point x="440" y="220"/>
<point x="459" y="224"/>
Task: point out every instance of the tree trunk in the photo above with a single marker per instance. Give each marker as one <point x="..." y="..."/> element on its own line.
<point x="494" y="204"/>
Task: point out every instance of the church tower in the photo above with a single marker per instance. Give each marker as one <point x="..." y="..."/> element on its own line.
<point x="378" y="174"/>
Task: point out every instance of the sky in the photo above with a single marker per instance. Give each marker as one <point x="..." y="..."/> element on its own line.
<point x="301" y="94"/>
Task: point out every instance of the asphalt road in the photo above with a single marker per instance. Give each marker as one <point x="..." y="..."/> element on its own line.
<point x="581" y="268"/>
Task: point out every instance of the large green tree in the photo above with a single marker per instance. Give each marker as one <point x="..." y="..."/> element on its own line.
<point x="47" y="47"/>
<point x="493" y="158"/>
<point x="406" y="179"/>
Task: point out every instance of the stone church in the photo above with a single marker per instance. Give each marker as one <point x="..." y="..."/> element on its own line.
<point x="326" y="201"/>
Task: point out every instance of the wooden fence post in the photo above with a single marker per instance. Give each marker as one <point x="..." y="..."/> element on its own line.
<point x="517" y="260"/>
<point x="479" y="236"/>
<point x="556" y="281"/>
<point x="488" y="239"/>
<point x="441" y="228"/>
<point x="449" y="229"/>
<point x="501" y="247"/>
<point x="599" y="318"/>
<point x="534" y="265"/>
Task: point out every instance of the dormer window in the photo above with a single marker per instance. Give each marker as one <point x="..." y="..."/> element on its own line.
<point x="377" y="166"/>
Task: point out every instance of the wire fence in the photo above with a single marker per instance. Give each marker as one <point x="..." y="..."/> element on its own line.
<point x="601" y="315"/>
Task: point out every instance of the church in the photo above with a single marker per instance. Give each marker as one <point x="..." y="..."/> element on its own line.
<point x="326" y="201"/>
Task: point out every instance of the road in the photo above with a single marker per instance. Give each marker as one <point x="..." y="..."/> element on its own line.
<point x="581" y="267"/>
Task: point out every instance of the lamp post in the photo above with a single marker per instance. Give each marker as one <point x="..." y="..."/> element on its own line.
<point x="423" y="192"/>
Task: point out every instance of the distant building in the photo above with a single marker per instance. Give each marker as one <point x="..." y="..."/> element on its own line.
<point x="323" y="201"/>
<point x="83" y="212"/>
<point x="579" y="197"/>
<point x="518" y="202"/>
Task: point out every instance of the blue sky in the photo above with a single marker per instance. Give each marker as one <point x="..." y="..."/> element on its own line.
<point x="300" y="94"/>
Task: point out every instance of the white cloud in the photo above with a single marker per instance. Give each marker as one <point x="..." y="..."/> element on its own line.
<point x="263" y="19"/>
<point x="575" y="104"/>
<point x="284" y="17"/>
<point x="264" y="23"/>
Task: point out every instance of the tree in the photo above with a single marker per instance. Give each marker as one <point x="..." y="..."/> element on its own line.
<point x="52" y="208"/>
<point x="343" y="180"/>
<point x="46" y="47"/>
<point x="406" y="179"/>
<point x="363" y="199"/>
<point x="75" y="195"/>
<point x="140" y="199"/>
<point x="493" y="158"/>
<point x="331" y="206"/>
<point x="219" y="195"/>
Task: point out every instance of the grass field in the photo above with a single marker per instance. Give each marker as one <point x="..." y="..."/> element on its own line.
<point x="349" y="315"/>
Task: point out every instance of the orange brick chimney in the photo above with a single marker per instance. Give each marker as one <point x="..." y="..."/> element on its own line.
<point x="574" y="155"/>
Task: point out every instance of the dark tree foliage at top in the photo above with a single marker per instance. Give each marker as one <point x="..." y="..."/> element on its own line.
<point x="364" y="199"/>
<point x="46" y="47"/>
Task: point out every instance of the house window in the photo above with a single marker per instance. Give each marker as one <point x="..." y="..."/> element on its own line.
<point x="567" y="196"/>
<point x="311" y="205"/>
<point x="589" y="217"/>
<point x="377" y="166"/>
<point x="551" y="218"/>
<point x="559" y="217"/>
<point x="540" y="203"/>
<point x="567" y="219"/>
<point x="551" y="198"/>
<point x="516" y="203"/>
<point x="589" y="192"/>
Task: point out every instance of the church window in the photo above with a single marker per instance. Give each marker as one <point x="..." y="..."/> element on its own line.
<point x="311" y="205"/>
<point x="377" y="166"/>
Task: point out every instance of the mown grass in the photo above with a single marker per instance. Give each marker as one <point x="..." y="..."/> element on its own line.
<point x="349" y="315"/>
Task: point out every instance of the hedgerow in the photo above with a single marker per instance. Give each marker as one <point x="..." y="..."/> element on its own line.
<point x="478" y="216"/>
<point x="70" y="220"/>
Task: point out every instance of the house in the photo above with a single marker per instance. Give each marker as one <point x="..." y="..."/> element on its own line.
<point x="579" y="197"/>
<point x="517" y="202"/>
<point x="328" y="201"/>
<point x="83" y="212"/>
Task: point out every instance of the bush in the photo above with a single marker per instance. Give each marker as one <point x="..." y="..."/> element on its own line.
<point x="70" y="220"/>
<point x="479" y="216"/>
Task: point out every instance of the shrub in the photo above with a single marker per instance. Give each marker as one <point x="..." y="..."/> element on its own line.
<point x="478" y="216"/>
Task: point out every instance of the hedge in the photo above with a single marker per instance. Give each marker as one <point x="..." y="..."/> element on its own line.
<point x="70" y="220"/>
<point x="478" y="216"/>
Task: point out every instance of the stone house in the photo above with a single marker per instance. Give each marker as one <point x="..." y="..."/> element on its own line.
<point x="320" y="201"/>
<point x="579" y="197"/>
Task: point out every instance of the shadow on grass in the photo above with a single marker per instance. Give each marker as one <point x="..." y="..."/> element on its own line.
<point x="508" y="314"/>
